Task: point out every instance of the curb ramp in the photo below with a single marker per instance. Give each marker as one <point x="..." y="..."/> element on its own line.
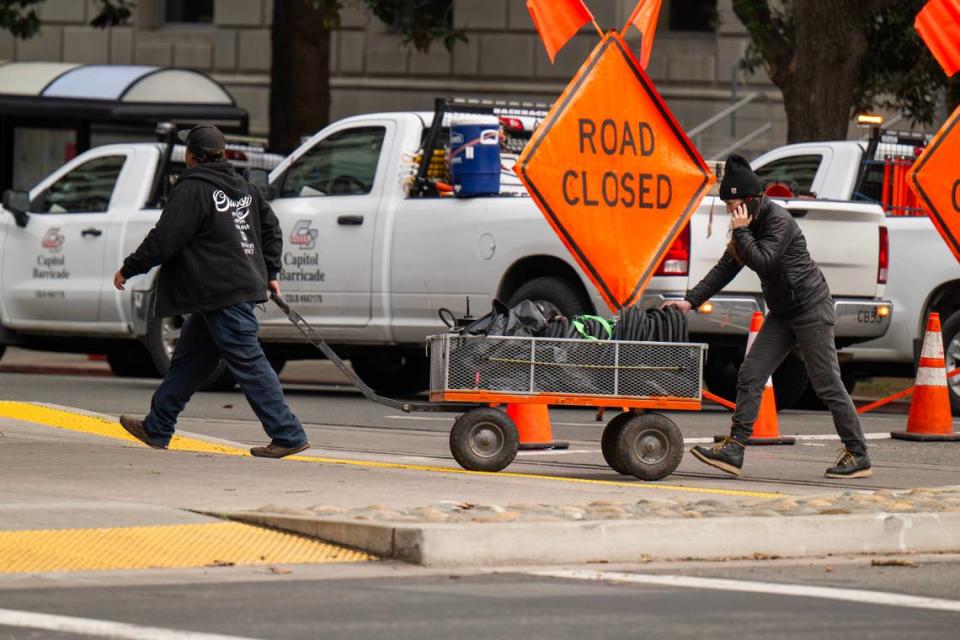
<point x="629" y="541"/>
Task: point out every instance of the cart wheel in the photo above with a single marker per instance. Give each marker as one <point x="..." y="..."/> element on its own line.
<point x="608" y="443"/>
<point x="650" y="446"/>
<point x="484" y="439"/>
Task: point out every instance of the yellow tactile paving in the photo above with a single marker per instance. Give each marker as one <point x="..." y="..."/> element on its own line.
<point x="163" y="547"/>
<point x="109" y="428"/>
<point x="61" y="419"/>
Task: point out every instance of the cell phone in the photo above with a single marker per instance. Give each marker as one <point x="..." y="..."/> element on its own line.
<point x="753" y="206"/>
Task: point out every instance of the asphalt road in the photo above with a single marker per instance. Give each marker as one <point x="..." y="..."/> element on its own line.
<point x="401" y="603"/>
<point x="63" y="479"/>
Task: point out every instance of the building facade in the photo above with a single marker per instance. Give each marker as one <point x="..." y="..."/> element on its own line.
<point x="695" y="61"/>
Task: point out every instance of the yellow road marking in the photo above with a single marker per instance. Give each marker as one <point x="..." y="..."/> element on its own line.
<point x="59" y="418"/>
<point x="163" y="547"/>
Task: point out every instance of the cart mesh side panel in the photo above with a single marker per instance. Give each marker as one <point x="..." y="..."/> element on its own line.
<point x="530" y="366"/>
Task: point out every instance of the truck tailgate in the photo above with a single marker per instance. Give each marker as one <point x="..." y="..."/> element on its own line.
<point x="843" y="239"/>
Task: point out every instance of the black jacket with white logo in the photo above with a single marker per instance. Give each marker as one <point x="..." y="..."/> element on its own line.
<point x="774" y="247"/>
<point x="217" y="240"/>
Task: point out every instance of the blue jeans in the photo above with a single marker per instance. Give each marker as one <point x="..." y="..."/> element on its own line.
<point x="230" y="333"/>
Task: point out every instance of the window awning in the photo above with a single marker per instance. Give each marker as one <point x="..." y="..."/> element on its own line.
<point x="128" y="94"/>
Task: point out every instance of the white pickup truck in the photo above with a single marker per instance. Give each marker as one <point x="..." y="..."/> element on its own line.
<point x="924" y="275"/>
<point x="368" y="261"/>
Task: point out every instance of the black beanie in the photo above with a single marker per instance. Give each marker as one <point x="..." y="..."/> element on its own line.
<point x="739" y="180"/>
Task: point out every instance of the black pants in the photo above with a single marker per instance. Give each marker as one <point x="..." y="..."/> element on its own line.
<point x="812" y="330"/>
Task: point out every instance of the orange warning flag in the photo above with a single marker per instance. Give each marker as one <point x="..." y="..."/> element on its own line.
<point x="939" y="26"/>
<point x="644" y="18"/>
<point x="557" y="21"/>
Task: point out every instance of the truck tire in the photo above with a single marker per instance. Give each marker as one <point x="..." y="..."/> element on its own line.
<point x="132" y="360"/>
<point x="393" y="371"/>
<point x="951" y="355"/>
<point x="789" y="380"/>
<point x="554" y="295"/>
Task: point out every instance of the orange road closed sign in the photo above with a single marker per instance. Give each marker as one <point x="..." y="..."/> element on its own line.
<point x="934" y="177"/>
<point x="613" y="173"/>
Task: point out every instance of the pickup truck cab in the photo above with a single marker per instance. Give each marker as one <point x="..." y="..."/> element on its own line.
<point x="373" y="253"/>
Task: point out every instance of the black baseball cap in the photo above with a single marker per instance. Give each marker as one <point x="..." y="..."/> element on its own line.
<point x="204" y="137"/>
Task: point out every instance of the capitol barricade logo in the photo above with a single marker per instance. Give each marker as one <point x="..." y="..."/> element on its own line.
<point x="53" y="240"/>
<point x="304" y="236"/>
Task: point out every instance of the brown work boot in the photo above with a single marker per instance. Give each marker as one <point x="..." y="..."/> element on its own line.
<point x="275" y="451"/>
<point x="134" y="427"/>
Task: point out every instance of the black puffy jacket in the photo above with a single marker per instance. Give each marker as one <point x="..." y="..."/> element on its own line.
<point x="773" y="246"/>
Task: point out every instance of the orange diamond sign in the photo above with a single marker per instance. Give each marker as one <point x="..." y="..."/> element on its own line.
<point x="613" y="172"/>
<point x="935" y="179"/>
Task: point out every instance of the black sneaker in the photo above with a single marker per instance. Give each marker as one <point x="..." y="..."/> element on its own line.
<point x="850" y="466"/>
<point x="726" y="456"/>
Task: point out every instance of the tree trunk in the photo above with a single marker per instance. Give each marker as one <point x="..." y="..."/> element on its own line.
<point x="299" y="73"/>
<point x="818" y="90"/>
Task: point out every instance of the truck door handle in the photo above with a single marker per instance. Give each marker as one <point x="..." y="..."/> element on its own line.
<point x="351" y="221"/>
<point x="798" y="213"/>
<point x="96" y="233"/>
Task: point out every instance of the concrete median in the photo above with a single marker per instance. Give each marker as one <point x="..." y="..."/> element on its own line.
<point x="447" y="544"/>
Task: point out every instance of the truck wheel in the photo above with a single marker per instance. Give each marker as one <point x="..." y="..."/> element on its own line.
<point x="484" y="439"/>
<point x="554" y="296"/>
<point x="393" y="371"/>
<point x="650" y="446"/>
<point x="951" y="354"/>
<point x="132" y="360"/>
<point x="608" y="442"/>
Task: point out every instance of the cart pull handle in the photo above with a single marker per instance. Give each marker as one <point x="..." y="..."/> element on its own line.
<point x="316" y="340"/>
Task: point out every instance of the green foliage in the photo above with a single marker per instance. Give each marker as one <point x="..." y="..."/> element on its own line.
<point x="770" y="29"/>
<point x="20" y="18"/>
<point x="899" y="72"/>
<point x="113" y="12"/>
<point x="420" y="22"/>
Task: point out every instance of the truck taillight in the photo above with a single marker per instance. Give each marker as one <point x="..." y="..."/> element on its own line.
<point x="884" y="261"/>
<point x="677" y="260"/>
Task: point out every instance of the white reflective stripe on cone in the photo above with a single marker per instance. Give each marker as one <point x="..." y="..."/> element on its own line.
<point x="931" y="377"/>
<point x="932" y="345"/>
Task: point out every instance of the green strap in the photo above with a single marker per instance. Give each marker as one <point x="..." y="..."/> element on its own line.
<point x="581" y="328"/>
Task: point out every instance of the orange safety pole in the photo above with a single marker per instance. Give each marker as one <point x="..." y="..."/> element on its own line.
<point x="721" y="401"/>
<point x="900" y="394"/>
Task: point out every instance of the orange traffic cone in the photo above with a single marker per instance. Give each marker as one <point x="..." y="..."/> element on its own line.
<point x="533" y="423"/>
<point x="766" y="430"/>
<point x="930" y="417"/>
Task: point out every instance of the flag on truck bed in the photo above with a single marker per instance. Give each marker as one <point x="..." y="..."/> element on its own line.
<point x="938" y="23"/>
<point x="557" y="21"/>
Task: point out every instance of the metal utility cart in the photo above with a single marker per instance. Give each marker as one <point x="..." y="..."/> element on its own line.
<point x="475" y="375"/>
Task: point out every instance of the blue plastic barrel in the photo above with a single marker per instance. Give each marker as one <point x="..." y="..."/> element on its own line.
<point x="475" y="155"/>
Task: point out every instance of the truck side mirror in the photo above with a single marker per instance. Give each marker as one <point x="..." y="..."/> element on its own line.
<point x="17" y="203"/>
<point x="260" y="179"/>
